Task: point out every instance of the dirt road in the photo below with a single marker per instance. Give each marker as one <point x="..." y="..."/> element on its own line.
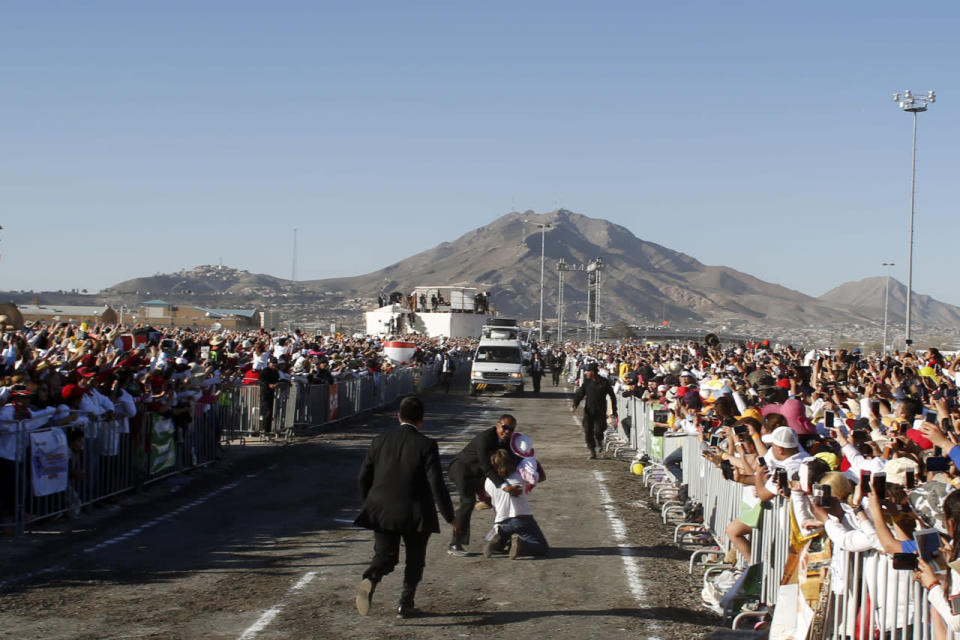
<point x="263" y="547"/>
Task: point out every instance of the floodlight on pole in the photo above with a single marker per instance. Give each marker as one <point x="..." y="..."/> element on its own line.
<point x="912" y="104"/>
<point x="543" y="243"/>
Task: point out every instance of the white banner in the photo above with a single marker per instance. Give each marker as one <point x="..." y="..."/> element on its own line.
<point x="49" y="461"/>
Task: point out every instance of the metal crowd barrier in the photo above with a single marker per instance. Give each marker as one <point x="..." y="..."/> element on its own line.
<point x="861" y="597"/>
<point x="301" y="404"/>
<point x="53" y="470"/>
<point x="48" y="471"/>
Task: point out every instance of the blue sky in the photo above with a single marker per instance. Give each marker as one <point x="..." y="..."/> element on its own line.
<point x="143" y="137"/>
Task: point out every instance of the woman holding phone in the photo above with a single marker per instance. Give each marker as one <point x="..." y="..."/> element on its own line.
<point x="944" y="591"/>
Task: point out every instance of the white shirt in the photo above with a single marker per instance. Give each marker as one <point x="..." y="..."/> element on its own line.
<point x="791" y="464"/>
<point x="125" y="408"/>
<point x="260" y="360"/>
<point x="508" y="506"/>
<point x="9" y="428"/>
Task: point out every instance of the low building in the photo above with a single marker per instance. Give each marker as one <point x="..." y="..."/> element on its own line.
<point x="68" y="313"/>
<point x="270" y="319"/>
<point x="161" y="313"/>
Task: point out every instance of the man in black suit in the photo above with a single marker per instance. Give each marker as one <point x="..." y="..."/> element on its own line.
<point x="595" y="390"/>
<point x="556" y="367"/>
<point x="536" y="371"/>
<point x="401" y="483"/>
<point x="467" y="471"/>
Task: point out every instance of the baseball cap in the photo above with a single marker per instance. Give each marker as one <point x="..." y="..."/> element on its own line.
<point x="521" y="445"/>
<point x="782" y="437"/>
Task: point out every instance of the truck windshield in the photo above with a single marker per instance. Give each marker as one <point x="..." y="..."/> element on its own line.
<point x="507" y="355"/>
<point x="500" y="333"/>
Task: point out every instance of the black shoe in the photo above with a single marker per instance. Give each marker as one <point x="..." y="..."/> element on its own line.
<point x="365" y="596"/>
<point x="457" y="550"/>
<point x="593" y="455"/>
<point x="408" y="611"/>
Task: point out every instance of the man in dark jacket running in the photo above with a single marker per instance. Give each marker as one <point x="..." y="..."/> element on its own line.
<point x="401" y="483"/>
<point x="595" y="390"/>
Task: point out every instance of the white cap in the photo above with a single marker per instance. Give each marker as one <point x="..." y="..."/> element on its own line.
<point x="782" y="437"/>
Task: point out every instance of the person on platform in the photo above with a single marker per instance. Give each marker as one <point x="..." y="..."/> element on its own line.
<point x="470" y="468"/>
<point x="401" y="483"/>
<point x="594" y="393"/>
<point x="536" y="371"/>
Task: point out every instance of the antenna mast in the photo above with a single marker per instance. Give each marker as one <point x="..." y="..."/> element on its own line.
<point x="293" y="270"/>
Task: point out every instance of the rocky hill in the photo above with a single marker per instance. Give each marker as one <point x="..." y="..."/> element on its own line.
<point x="642" y="283"/>
<point x="867" y="297"/>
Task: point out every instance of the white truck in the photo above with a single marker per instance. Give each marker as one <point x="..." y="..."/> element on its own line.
<point x="497" y="365"/>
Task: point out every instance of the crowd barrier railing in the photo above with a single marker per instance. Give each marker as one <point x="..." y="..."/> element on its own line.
<point x="298" y="403"/>
<point x="860" y="594"/>
<point x="54" y="470"/>
<point x="49" y="470"/>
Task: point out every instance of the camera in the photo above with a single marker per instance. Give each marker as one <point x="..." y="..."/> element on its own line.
<point x="906" y="561"/>
<point x="955" y="605"/>
<point x="822" y="495"/>
<point x="782" y="481"/>
<point x="911" y="478"/>
<point x="879" y="481"/>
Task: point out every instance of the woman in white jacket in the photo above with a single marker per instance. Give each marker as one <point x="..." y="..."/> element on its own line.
<point x="940" y="591"/>
<point x="850" y="532"/>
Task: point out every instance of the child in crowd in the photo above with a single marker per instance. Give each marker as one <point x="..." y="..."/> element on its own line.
<point x="513" y="521"/>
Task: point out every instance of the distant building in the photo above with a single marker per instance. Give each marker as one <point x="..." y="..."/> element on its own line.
<point x="270" y="319"/>
<point x="162" y="313"/>
<point x="68" y="313"/>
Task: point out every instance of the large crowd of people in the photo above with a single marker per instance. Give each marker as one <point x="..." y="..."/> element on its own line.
<point x="863" y="447"/>
<point x="76" y="376"/>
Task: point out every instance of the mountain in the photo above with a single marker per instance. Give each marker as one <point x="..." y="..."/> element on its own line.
<point x="641" y="281"/>
<point x="867" y="296"/>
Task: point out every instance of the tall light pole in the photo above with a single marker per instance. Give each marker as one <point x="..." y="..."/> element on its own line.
<point x="543" y="243"/>
<point x="561" y="267"/>
<point x="886" y="304"/>
<point x="912" y="104"/>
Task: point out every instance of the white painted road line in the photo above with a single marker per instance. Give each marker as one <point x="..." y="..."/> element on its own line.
<point x="159" y="519"/>
<point x="631" y="563"/>
<point x="268" y="616"/>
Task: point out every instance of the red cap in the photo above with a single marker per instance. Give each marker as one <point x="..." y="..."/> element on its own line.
<point x="71" y="392"/>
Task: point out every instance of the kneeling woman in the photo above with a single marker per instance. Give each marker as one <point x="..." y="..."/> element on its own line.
<point x="513" y="522"/>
